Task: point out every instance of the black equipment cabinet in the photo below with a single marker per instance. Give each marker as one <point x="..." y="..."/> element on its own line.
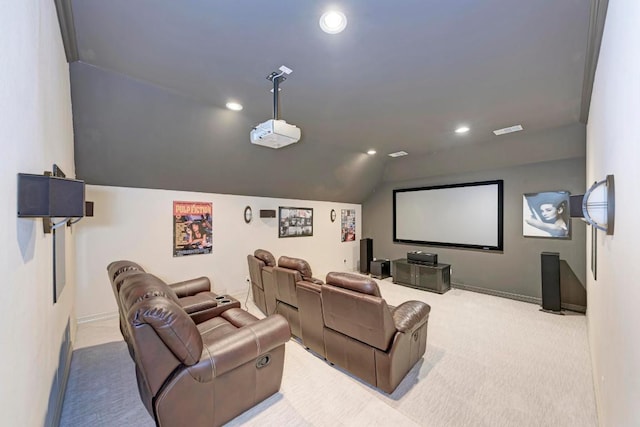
<point x="435" y="278"/>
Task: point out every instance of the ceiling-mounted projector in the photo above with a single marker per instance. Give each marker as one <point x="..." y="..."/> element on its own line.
<point x="275" y="133"/>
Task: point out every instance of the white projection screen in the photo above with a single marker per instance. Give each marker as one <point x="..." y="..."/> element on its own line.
<point x="465" y="215"/>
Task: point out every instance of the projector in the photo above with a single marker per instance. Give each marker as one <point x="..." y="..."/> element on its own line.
<point x="275" y="134"/>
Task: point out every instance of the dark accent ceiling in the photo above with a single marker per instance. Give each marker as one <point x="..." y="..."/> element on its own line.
<point x="153" y="76"/>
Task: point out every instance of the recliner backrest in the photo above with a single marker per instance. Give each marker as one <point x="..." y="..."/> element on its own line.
<point x="144" y="285"/>
<point x="297" y="264"/>
<point x="352" y="305"/>
<point x="162" y="335"/>
<point x="118" y="267"/>
<point x="289" y="272"/>
<point x="266" y="257"/>
<point x="255" y="270"/>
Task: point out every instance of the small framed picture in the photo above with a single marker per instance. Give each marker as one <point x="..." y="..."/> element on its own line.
<point x="546" y="214"/>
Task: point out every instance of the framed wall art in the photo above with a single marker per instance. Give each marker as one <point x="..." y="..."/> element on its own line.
<point x="348" y="225"/>
<point x="295" y="222"/>
<point x="192" y="228"/>
<point x="546" y="214"/>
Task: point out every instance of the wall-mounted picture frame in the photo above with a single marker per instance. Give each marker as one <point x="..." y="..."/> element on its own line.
<point x="546" y="214"/>
<point x="295" y="222"/>
<point x="347" y="225"/>
<point x="192" y="228"/>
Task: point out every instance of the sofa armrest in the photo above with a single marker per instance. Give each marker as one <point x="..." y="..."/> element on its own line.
<point x="191" y="286"/>
<point x="222" y="354"/>
<point x="197" y="303"/>
<point x="313" y="280"/>
<point x="311" y="286"/>
<point x="408" y="315"/>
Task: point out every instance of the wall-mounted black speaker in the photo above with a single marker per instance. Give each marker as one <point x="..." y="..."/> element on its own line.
<point x="50" y="196"/>
<point x="366" y="254"/>
<point x="550" y="263"/>
<point x="267" y="213"/>
<point x="88" y="208"/>
<point x="575" y="206"/>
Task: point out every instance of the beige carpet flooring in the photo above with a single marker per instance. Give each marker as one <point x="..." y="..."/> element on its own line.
<point x="490" y="362"/>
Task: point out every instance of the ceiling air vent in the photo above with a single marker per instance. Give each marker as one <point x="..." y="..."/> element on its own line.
<point x="398" y="154"/>
<point x="503" y="131"/>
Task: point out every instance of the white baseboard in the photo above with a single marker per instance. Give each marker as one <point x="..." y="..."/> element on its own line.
<point x="96" y="317"/>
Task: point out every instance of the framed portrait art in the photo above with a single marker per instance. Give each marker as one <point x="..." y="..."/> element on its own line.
<point x="546" y="214"/>
<point x="295" y="222"/>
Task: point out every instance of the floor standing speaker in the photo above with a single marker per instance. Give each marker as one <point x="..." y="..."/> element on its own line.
<point x="366" y="254"/>
<point x="550" y="262"/>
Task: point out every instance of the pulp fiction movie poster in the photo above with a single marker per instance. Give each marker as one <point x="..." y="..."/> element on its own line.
<point x="192" y="228"/>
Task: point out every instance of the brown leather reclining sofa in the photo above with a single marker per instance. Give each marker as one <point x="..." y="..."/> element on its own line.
<point x="198" y="374"/>
<point x="263" y="289"/>
<point x="298" y="299"/>
<point x="193" y="295"/>
<point x="368" y="338"/>
<point x="347" y="322"/>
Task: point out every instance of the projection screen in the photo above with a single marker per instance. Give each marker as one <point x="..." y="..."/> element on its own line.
<point x="468" y="215"/>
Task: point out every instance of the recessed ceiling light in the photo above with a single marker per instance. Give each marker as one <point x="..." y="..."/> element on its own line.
<point x="462" y="129"/>
<point x="234" y="106"/>
<point x="502" y="131"/>
<point x="333" y="22"/>
<point x="371" y="152"/>
<point x="398" y="154"/>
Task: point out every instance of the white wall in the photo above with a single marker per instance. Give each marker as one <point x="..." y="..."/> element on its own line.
<point x="613" y="147"/>
<point x="35" y="132"/>
<point x="136" y="224"/>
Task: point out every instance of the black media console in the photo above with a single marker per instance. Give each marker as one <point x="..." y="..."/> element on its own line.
<point x="435" y="278"/>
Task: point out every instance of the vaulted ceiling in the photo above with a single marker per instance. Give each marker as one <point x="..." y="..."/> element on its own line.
<point x="152" y="77"/>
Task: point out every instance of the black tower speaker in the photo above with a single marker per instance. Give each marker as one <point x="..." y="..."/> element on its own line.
<point x="366" y="254"/>
<point x="550" y="262"/>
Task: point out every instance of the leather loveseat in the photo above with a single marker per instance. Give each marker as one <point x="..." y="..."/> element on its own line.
<point x="363" y="335"/>
<point x="261" y="265"/>
<point x="204" y="374"/>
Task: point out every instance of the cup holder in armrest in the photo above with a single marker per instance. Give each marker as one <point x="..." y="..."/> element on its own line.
<point x="223" y="299"/>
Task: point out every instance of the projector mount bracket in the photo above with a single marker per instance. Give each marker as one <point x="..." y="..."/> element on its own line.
<point x="278" y="77"/>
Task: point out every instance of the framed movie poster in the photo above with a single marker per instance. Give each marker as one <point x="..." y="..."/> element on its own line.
<point x="348" y="225"/>
<point x="295" y="222"/>
<point x="546" y="215"/>
<point x="192" y="228"/>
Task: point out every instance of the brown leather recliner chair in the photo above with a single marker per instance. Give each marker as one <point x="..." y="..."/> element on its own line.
<point x="261" y="265"/>
<point x="363" y="335"/>
<point x="298" y="299"/>
<point x="199" y="375"/>
<point x="194" y="295"/>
